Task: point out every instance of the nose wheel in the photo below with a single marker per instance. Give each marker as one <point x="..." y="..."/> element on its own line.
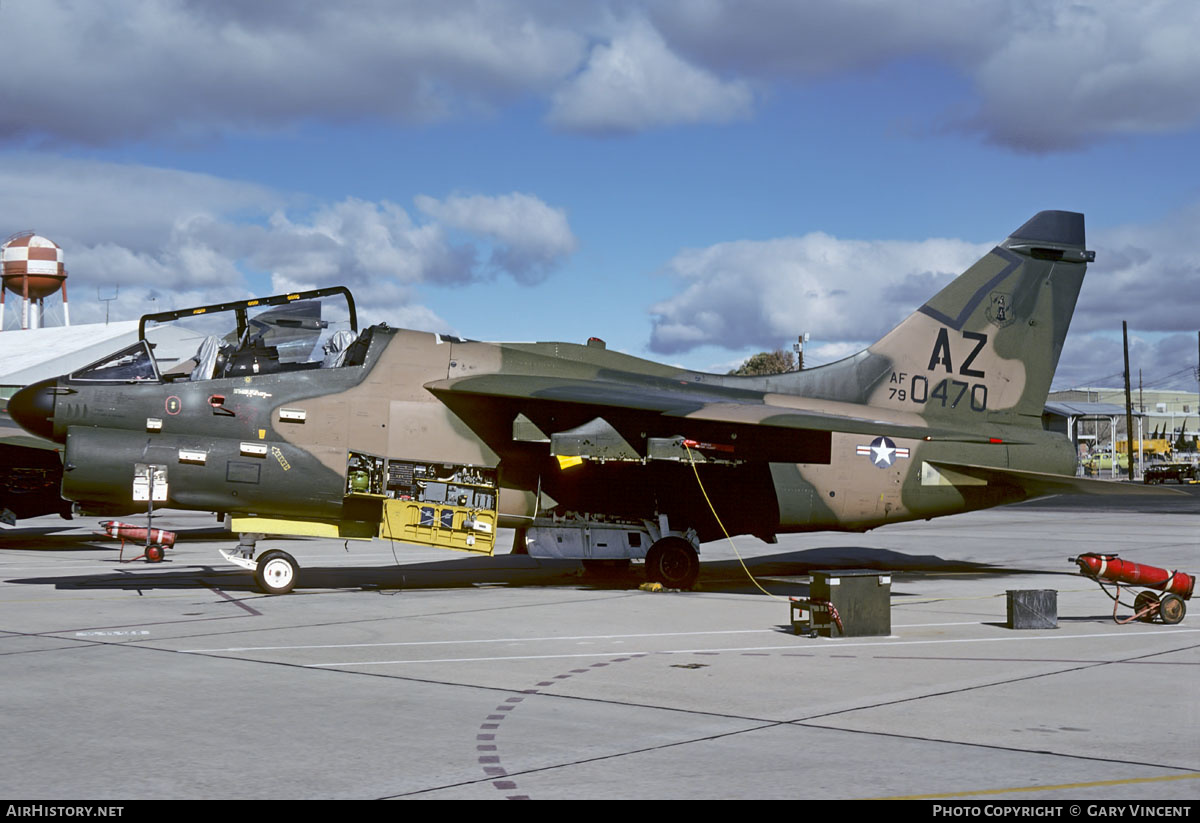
<point x="276" y="572"/>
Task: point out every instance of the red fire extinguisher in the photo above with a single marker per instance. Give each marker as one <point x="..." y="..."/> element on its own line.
<point x="159" y="539"/>
<point x="1112" y="568"/>
<point x="1176" y="586"/>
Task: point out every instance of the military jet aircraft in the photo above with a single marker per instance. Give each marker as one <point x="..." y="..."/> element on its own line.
<point x="294" y="421"/>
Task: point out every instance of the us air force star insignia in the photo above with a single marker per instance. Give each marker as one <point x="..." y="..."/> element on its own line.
<point x="882" y="451"/>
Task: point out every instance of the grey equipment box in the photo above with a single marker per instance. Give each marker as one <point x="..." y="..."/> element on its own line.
<point x="1032" y="608"/>
<point x="862" y="598"/>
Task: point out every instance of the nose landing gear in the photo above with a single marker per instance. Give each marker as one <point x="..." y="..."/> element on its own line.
<point x="275" y="571"/>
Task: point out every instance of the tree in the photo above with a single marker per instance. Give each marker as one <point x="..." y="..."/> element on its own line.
<point x="1183" y="444"/>
<point x="767" y="362"/>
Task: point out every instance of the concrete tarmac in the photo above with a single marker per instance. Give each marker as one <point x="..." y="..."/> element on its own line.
<point x="400" y="672"/>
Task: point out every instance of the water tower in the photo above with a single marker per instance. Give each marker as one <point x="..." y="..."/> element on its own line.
<point x="32" y="267"/>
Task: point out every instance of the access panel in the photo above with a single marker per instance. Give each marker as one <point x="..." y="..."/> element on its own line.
<point x="447" y="505"/>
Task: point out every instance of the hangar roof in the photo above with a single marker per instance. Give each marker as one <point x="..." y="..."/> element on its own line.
<point x="30" y="355"/>
<point x="1080" y="409"/>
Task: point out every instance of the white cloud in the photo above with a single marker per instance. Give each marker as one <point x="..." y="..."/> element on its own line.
<point x="530" y="237"/>
<point x="1145" y="274"/>
<point x="758" y="295"/>
<point x="1042" y="76"/>
<point x="764" y="293"/>
<point x="810" y="40"/>
<point x="77" y="201"/>
<point x="1075" y="71"/>
<point x="1096" y="360"/>
<point x="360" y="242"/>
<point x="175" y="267"/>
<point x="384" y="301"/>
<point x="636" y="82"/>
<point x="95" y="71"/>
<point x="1045" y="76"/>
<point x="192" y="239"/>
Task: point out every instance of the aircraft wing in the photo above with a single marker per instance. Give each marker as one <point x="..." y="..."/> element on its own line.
<point x="668" y="406"/>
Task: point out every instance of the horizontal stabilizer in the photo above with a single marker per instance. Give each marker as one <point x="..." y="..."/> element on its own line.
<point x="1042" y="483"/>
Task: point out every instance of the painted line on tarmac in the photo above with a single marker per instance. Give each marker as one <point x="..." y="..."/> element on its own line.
<point x="958" y="659"/>
<point x="831" y="646"/>
<point x="610" y="654"/>
<point x="8" y="568"/>
<point x="398" y="644"/>
<point x="487" y="745"/>
<point x="840" y="644"/>
<point x="114" y="633"/>
<point x="476" y="641"/>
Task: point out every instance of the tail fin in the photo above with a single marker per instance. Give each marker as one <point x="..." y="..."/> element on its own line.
<point x="988" y="343"/>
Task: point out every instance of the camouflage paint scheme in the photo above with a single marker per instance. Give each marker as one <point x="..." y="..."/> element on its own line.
<point x="942" y="415"/>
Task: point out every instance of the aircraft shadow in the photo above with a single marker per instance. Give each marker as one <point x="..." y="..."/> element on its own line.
<point x="450" y="574"/>
<point x="804" y="561"/>
<point x="1184" y="501"/>
<point x="725" y="576"/>
<point x="34" y="539"/>
<point x="728" y="575"/>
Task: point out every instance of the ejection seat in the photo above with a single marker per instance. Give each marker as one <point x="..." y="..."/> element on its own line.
<point x="335" y="349"/>
<point x="206" y="358"/>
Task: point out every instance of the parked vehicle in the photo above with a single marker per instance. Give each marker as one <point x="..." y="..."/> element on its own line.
<point x="1162" y="472"/>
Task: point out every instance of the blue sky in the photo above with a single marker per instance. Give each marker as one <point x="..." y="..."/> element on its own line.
<point x="693" y="182"/>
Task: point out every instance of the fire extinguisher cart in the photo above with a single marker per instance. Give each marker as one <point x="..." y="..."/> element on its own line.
<point x="1176" y="587"/>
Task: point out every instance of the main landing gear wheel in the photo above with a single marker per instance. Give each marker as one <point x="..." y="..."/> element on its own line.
<point x="1142" y="601"/>
<point x="1171" y="609"/>
<point x="672" y="562"/>
<point x="276" y="572"/>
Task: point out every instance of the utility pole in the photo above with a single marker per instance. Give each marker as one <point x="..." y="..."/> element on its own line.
<point x="1141" y="427"/>
<point x="798" y="347"/>
<point x="1128" y="401"/>
<point x="106" y="300"/>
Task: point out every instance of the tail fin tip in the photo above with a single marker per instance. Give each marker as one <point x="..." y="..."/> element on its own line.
<point x="1059" y="227"/>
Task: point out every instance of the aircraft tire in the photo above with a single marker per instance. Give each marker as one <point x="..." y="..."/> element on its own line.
<point x="1172" y="609"/>
<point x="672" y="562"/>
<point x="1143" y="600"/>
<point x="276" y="572"/>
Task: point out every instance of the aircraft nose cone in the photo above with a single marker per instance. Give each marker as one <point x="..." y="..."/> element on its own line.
<point x="33" y="408"/>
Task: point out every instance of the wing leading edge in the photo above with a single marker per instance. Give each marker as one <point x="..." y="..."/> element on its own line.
<point x="678" y="402"/>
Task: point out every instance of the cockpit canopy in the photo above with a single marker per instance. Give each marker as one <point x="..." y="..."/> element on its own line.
<point x="285" y="332"/>
<point x="132" y="364"/>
